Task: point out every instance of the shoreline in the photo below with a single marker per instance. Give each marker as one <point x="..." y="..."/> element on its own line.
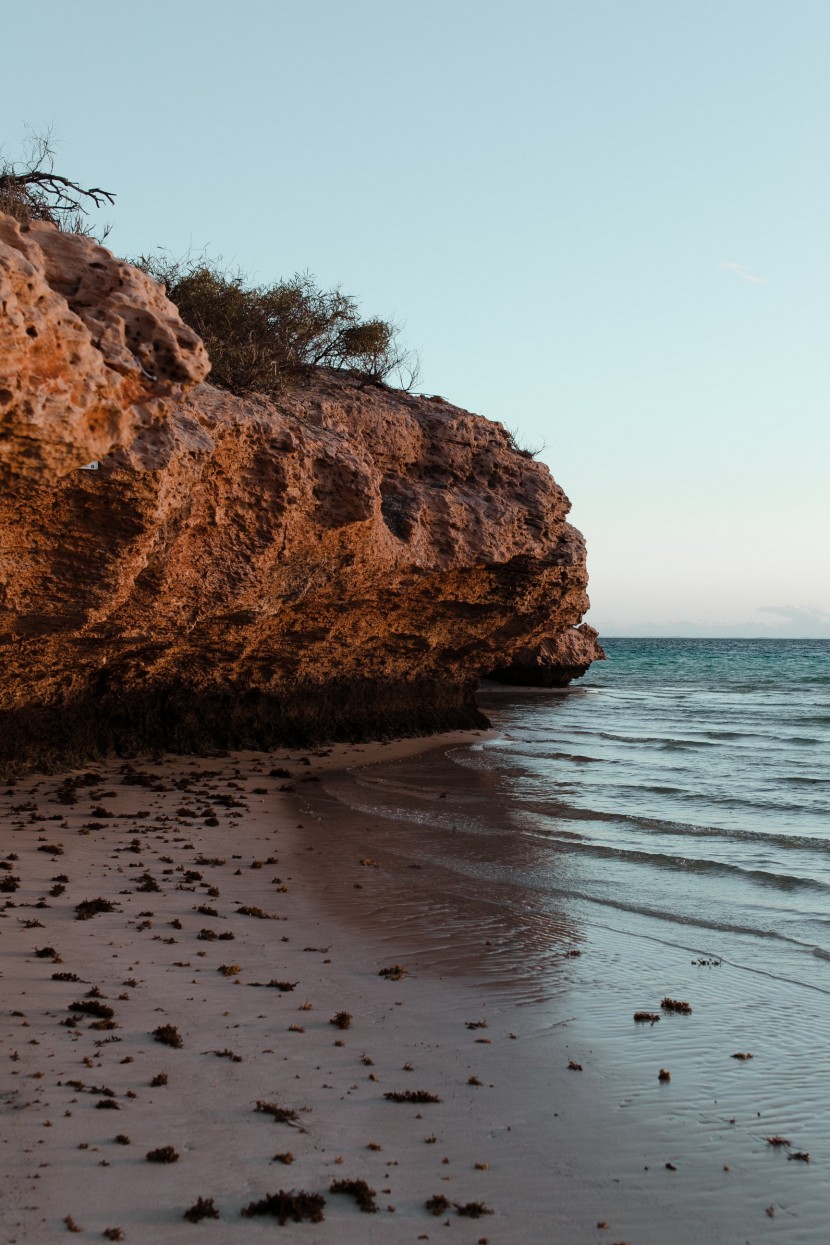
<point x="568" y="1154"/>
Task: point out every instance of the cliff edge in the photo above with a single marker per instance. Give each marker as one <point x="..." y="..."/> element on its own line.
<point x="238" y="572"/>
<point x="91" y="352"/>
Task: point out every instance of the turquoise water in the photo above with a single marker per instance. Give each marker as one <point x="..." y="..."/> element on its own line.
<point x="681" y="790"/>
<point x="687" y="779"/>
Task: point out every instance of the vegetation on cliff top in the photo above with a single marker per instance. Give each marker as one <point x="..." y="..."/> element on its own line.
<point x="266" y="338"/>
<point x="261" y="339"/>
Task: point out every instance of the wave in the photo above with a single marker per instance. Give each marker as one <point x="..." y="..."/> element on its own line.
<point x="696" y="799"/>
<point x="543" y="885"/>
<point x="692" y="864"/>
<point x="686" y="745"/>
<point x="530" y="822"/>
<point x="575" y="756"/>
<point x="731" y="734"/>
<point x="661" y="740"/>
<point x="744" y="743"/>
<point x="657" y="825"/>
<point x="697" y="921"/>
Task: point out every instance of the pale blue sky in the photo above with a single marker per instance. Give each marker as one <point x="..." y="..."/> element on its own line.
<point x="602" y="222"/>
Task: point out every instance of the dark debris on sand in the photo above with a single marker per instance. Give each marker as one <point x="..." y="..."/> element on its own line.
<point x="284" y="1206"/>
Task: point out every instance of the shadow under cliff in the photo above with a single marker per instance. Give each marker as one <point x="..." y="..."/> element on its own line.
<point x="154" y="720"/>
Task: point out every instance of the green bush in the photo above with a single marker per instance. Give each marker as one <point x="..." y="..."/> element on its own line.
<point x="264" y="339"/>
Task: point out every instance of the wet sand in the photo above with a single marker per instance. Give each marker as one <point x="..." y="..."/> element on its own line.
<point x="599" y="1152"/>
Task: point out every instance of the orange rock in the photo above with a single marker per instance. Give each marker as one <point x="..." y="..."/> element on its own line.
<point x="344" y="562"/>
<point x="91" y="352"/>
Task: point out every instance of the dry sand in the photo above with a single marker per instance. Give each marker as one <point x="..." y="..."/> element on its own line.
<point x="515" y="1129"/>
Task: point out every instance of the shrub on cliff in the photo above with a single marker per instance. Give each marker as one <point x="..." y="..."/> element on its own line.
<point x="265" y="338"/>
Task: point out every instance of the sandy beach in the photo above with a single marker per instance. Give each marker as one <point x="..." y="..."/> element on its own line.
<point x="251" y="1038"/>
<point x="177" y="951"/>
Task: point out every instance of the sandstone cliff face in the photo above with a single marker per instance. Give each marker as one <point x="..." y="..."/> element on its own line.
<point x="555" y="662"/>
<point x="90" y="352"/>
<point x="343" y="563"/>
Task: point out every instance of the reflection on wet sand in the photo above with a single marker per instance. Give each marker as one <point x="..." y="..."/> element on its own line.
<point x="420" y="855"/>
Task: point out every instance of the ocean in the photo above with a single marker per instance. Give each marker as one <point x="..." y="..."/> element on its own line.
<point x="659" y="829"/>
<point x="689" y="780"/>
<point x="683" y="782"/>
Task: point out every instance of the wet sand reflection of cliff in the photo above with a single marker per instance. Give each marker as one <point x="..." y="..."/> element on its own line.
<point x="423" y="855"/>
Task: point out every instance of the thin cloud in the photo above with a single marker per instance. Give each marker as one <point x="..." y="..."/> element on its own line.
<point x="796" y="614"/>
<point x="785" y="622"/>
<point x="741" y="270"/>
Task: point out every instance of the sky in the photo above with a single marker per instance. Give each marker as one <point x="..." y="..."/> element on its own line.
<point x="601" y="222"/>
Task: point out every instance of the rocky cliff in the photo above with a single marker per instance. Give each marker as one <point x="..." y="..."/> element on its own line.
<point x="554" y="662"/>
<point x="239" y="572"/>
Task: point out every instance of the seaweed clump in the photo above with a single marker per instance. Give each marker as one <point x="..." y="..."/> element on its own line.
<point x="439" y="1205"/>
<point x="91" y="1007"/>
<point x="164" y="1154"/>
<point x="284" y="1206"/>
<point x="676" y="1005"/>
<point x="360" y="1191"/>
<point x="282" y="1115"/>
<point x="168" y="1035"/>
<point x="227" y="1054"/>
<point x="88" y="908"/>
<point x="202" y="1208"/>
<point x="412" y="1095"/>
<point x="472" y="1210"/>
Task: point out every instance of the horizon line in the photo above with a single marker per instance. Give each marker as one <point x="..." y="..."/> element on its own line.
<point x="610" y="635"/>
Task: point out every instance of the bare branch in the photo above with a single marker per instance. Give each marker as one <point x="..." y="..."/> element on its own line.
<point x="57" y="185"/>
<point x="32" y="190"/>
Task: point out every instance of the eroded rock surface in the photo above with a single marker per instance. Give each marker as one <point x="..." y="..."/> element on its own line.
<point x="91" y="352"/>
<point x="240" y="572"/>
<point x="555" y="662"/>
